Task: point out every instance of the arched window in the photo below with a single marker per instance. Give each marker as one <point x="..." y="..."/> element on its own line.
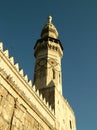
<point x="53" y="73"/>
<point x="70" y="124"/>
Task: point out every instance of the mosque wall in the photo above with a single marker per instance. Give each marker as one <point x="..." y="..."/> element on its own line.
<point x="22" y="107"/>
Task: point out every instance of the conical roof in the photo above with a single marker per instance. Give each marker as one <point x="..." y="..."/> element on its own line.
<point x="49" y="30"/>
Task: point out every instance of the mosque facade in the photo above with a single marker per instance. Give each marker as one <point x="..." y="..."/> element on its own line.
<point x="39" y="105"/>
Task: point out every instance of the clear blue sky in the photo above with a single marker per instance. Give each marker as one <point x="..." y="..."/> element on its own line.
<point x="21" y="22"/>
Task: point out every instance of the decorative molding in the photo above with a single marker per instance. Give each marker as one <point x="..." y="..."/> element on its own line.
<point x="42" y="64"/>
<point x="48" y="43"/>
<point x="20" y="72"/>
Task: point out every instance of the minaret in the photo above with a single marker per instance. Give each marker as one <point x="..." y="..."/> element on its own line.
<point x="48" y="52"/>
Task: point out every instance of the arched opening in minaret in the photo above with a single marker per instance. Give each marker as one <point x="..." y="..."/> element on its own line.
<point x="53" y="73"/>
<point x="70" y="124"/>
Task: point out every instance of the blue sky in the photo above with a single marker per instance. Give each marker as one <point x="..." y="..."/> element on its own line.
<point x="21" y="22"/>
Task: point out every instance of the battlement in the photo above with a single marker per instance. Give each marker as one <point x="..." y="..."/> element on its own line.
<point x="24" y="77"/>
<point x="50" y="44"/>
<point x="13" y="75"/>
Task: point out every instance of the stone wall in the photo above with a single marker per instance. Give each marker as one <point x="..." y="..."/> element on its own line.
<point x="7" y="105"/>
<point x="13" y="115"/>
<point x="22" y="107"/>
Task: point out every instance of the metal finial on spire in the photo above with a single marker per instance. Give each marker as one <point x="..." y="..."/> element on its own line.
<point x="49" y="19"/>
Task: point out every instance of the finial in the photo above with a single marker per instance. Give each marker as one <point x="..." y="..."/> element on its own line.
<point x="49" y="19"/>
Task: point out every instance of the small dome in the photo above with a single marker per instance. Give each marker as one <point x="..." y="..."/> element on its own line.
<point x="49" y="30"/>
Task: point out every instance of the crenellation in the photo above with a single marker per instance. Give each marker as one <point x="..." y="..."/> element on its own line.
<point x="34" y="88"/>
<point x="21" y="72"/>
<point x="47" y="104"/>
<point x="30" y="83"/>
<point x="26" y="78"/>
<point x="1" y="46"/>
<point x="12" y="60"/>
<point x="41" y="97"/>
<point x="6" y="52"/>
<point x="44" y="100"/>
<point x="16" y="66"/>
<point x="50" y="107"/>
<point x="37" y="92"/>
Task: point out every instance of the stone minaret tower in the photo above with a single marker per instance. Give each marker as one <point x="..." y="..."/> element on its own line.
<point x="48" y="52"/>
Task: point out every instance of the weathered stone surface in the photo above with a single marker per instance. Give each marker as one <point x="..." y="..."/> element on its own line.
<point x="15" y="116"/>
<point x="3" y="124"/>
<point x="3" y="91"/>
<point x="6" y="109"/>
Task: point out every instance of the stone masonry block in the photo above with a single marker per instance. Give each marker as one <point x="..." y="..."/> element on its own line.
<point x="10" y="99"/>
<point x="7" y="110"/>
<point x="19" y="113"/>
<point x="3" y="124"/>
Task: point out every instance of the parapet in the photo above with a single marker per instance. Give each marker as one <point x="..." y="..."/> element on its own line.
<point x="10" y="71"/>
